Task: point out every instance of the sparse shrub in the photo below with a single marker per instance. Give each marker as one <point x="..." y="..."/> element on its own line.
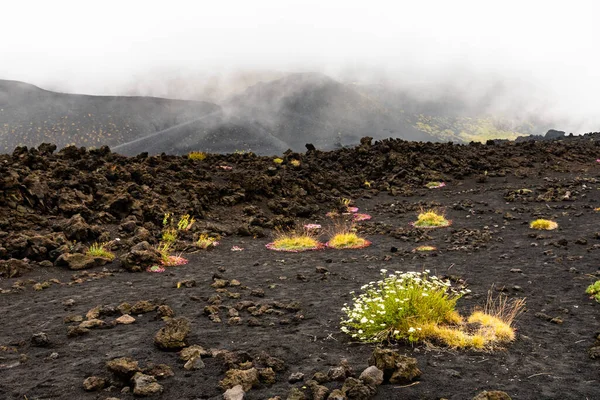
<point x="346" y="238"/>
<point x="416" y="307"/>
<point x="296" y="241"/>
<point x="594" y="291"/>
<point x="431" y="219"/>
<point x="543" y="225"/>
<point x="399" y="305"/>
<point x="169" y="235"/>
<point x="197" y="155"/>
<point x="206" y="242"/>
<point x="100" y="250"/>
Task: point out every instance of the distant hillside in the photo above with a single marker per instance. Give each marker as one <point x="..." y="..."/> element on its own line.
<point x="314" y="108"/>
<point x="266" y="118"/>
<point x="30" y="115"/>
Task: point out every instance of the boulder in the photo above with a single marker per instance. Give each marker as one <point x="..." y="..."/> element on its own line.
<point x="94" y="384"/>
<point x="123" y="367"/>
<point x="76" y="228"/>
<point x="13" y="268"/>
<point x="372" y="376"/>
<point x="141" y="256"/>
<point x="75" y="261"/>
<point x="356" y="389"/>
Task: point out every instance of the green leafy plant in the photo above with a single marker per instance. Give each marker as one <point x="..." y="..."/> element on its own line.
<point x="100" y="250"/>
<point x="431" y="219"/>
<point x="594" y="291"/>
<point x="417" y="307"/>
<point x="399" y="305"/>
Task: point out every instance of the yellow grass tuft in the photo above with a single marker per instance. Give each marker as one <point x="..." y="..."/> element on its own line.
<point x="197" y="155"/>
<point x="100" y="250"/>
<point x="543" y="225"/>
<point x="346" y="240"/>
<point x="431" y="219"/>
<point x="295" y="242"/>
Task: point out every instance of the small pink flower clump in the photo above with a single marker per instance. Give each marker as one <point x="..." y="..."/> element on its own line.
<point x="174" y="260"/>
<point x="332" y="214"/>
<point x="598" y="160"/>
<point x="362" y="217"/>
<point x="311" y="227"/>
<point x="226" y="167"/>
<point x="156" y="269"/>
<point x="237" y="248"/>
<point x="352" y="209"/>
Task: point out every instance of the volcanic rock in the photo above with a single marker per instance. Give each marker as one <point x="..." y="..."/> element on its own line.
<point x="172" y="336"/>
<point x="234" y="393"/>
<point x="492" y="395"/>
<point x="123" y="367"/>
<point x="94" y="384"/>
<point x="141" y="256"/>
<point x="246" y="378"/>
<point x="372" y="376"/>
<point x="145" y="385"/>
<point x="77" y="229"/>
<point x="356" y="389"/>
<point x="296" y="394"/>
<point x="337" y="394"/>
<point x="40" y="339"/>
<point x="75" y="261"/>
<point x="13" y="268"/>
<point x="396" y="368"/>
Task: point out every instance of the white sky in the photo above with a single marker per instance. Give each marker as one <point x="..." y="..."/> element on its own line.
<point x="102" y="46"/>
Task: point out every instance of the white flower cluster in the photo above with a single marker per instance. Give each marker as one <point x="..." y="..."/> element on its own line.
<point x="384" y="304"/>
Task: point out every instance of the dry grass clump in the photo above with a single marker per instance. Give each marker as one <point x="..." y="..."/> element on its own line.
<point x="295" y="241"/>
<point x="417" y="307"/>
<point x="197" y="155"/>
<point x="431" y="219"/>
<point x="543" y="225"/>
<point x="345" y="237"/>
<point x="206" y="242"/>
<point x="100" y="250"/>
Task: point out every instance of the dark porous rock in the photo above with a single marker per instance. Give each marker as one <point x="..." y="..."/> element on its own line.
<point x="320" y="377"/>
<point x="356" y="389"/>
<point x="142" y="307"/>
<point x="76" y="228"/>
<point x="492" y="395"/>
<point x="234" y="393"/>
<point x="341" y="372"/>
<point x="40" y="339"/>
<point x="396" y="368"/>
<point x="246" y="378"/>
<point x="232" y="359"/>
<point x="337" y="394"/>
<point x="277" y="364"/>
<point x="193" y="351"/>
<point x="172" y="336"/>
<point x="141" y="256"/>
<point x="594" y="352"/>
<point x="372" y="376"/>
<point x="13" y="268"/>
<point x="75" y="331"/>
<point x="296" y="394"/>
<point x="94" y="384"/>
<point x="267" y="375"/>
<point x="194" y="363"/>
<point x="296" y="377"/>
<point x="319" y="392"/>
<point x="164" y="311"/>
<point x="160" y="371"/>
<point x="145" y="385"/>
<point x="123" y="367"/>
<point x="75" y="261"/>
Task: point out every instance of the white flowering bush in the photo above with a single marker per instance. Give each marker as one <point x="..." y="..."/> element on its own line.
<point x="401" y="306"/>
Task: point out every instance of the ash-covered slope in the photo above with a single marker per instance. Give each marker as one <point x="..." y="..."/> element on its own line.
<point x="30" y="116"/>
<point x="314" y="108"/>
